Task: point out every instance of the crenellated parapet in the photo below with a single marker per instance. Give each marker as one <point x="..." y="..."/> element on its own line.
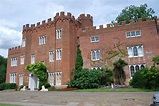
<point x="85" y="17"/>
<point x="13" y="50"/>
<point x="123" y="25"/>
<point x="63" y="16"/>
<point x="38" y="24"/>
<point x="46" y="23"/>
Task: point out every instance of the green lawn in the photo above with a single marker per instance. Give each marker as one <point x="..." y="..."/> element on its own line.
<point x="9" y="105"/>
<point x="114" y="90"/>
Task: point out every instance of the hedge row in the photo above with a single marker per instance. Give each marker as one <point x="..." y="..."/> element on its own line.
<point x="5" y="86"/>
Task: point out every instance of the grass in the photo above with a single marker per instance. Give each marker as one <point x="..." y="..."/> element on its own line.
<point x="9" y="105"/>
<point x="114" y="90"/>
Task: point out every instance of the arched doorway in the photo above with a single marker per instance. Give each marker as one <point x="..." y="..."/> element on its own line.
<point x="33" y="81"/>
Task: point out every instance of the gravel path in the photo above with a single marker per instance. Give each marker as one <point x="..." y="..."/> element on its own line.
<point x="55" y="98"/>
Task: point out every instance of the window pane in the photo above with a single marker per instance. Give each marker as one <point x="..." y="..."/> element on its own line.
<point x="97" y="54"/>
<point x="130" y="52"/>
<point x="140" y="51"/>
<point x="135" y="51"/>
<point x="132" y="70"/>
<point x="137" y="33"/>
<point x="128" y="34"/>
<point x="133" y="33"/>
<point x="136" y="67"/>
<point x="142" y="66"/>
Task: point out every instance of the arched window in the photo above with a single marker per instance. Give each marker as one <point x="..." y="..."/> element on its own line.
<point x="135" y="51"/>
<point x="132" y="70"/>
<point x="136" y="67"/>
<point x="142" y="66"/>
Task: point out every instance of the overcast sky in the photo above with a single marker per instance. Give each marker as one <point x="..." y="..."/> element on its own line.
<point x="16" y="13"/>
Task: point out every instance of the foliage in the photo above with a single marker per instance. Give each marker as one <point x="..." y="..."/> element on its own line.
<point x="133" y="12"/>
<point x="79" y="60"/>
<point x="155" y="60"/>
<point x="52" y="88"/>
<point x="119" y="73"/>
<point x="5" y="86"/>
<point x="106" y="77"/>
<point x="85" y="79"/>
<point x="40" y="70"/>
<point x="3" y="67"/>
<point x="146" y="78"/>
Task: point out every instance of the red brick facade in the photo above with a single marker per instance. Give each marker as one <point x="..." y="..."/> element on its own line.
<point x="80" y="31"/>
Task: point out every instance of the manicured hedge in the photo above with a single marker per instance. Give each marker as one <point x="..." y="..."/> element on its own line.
<point x="5" y="86"/>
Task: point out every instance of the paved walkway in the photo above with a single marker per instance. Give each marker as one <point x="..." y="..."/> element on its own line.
<point x="54" y="98"/>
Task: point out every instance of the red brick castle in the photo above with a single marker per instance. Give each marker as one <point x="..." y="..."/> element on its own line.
<point x="55" y="43"/>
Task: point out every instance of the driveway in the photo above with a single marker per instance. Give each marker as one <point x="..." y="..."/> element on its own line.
<point x="69" y="98"/>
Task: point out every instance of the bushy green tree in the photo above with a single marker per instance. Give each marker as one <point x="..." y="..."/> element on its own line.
<point x="40" y="70"/>
<point x="3" y="67"/>
<point x="106" y="76"/>
<point x="79" y="60"/>
<point x="133" y="12"/>
<point x="119" y="73"/>
<point x="146" y="78"/>
<point x="85" y="79"/>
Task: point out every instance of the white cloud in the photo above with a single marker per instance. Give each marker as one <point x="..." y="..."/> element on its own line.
<point x="8" y="38"/>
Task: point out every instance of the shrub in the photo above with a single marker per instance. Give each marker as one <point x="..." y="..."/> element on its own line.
<point x="106" y="77"/>
<point x="146" y="78"/>
<point x="85" y="79"/>
<point x="5" y="86"/>
<point x="52" y="88"/>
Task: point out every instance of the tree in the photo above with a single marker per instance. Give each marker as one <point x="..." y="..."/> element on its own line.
<point x="79" y="60"/>
<point x="40" y="70"/>
<point x="155" y="60"/>
<point x="119" y="73"/>
<point x="133" y="12"/>
<point x="3" y="67"/>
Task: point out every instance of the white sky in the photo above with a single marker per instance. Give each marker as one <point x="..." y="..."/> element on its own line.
<point x="16" y="13"/>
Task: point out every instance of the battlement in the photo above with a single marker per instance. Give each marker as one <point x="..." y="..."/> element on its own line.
<point x="62" y="15"/>
<point x="84" y="16"/>
<point x="58" y="16"/>
<point x="122" y="25"/>
<point x="44" y="22"/>
<point x="15" y="48"/>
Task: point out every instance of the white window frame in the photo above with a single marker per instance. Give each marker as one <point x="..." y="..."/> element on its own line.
<point x="51" y="56"/>
<point x="94" y="39"/>
<point x="58" y="78"/>
<point x="94" y="55"/>
<point x="13" y="77"/>
<point x="42" y="39"/>
<point x="51" y="78"/>
<point x="59" y="33"/>
<point x="21" y="79"/>
<point x="14" y="61"/>
<point x="32" y="58"/>
<point x="22" y="58"/>
<point x="23" y="42"/>
<point x="140" y="52"/>
<point x="131" y="34"/>
<point x="58" y="54"/>
<point x="134" y="66"/>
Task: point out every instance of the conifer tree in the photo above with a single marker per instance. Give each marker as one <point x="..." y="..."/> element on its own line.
<point x="79" y="60"/>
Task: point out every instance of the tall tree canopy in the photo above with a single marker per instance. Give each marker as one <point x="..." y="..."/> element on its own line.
<point x="79" y="59"/>
<point x="133" y="12"/>
<point x="3" y="67"/>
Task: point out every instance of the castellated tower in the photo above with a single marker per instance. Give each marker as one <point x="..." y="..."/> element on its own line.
<point x="53" y="42"/>
<point x="85" y="21"/>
